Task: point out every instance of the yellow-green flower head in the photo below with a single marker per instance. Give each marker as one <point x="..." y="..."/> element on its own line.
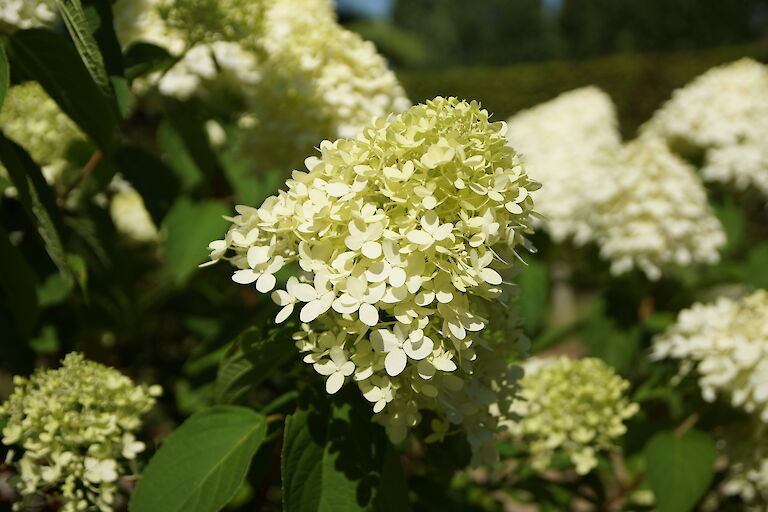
<point x="76" y="425"/>
<point x="22" y="14"/>
<point x="573" y="406"/>
<point x="656" y="214"/>
<point x="401" y="233"/>
<point x="31" y="118"/>
<point x="746" y="448"/>
<point x="725" y="344"/>
<point x="570" y="145"/>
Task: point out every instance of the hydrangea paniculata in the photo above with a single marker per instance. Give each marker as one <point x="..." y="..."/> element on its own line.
<point x="23" y="14"/>
<point x="402" y="234"/>
<point x="77" y="427"/>
<point x="746" y="447"/>
<point x="569" y="144"/>
<point x="573" y="406"/>
<point x="723" y="113"/>
<point x="657" y="214"/>
<point x="724" y="343"/>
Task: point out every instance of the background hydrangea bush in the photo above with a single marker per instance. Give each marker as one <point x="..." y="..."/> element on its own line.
<point x="244" y="269"/>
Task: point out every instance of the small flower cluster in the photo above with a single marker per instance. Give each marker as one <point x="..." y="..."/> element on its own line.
<point x="573" y="406"/>
<point x="569" y="144"/>
<point x="657" y="213"/>
<point x="23" y="14"/>
<point x="31" y="118"/>
<point x="724" y="342"/>
<point x="746" y="447"/>
<point x="76" y="425"/>
<point x="724" y="113"/>
<point x="402" y="232"/>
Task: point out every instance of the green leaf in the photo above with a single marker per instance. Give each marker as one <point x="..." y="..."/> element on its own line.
<point x="757" y="266"/>
<point x="200" y="466"/>
<point x="5" y="75"/>
<point x="156" y="183"/>
<point x="18" y="284"/>
<point x="533" y="282"/>
<point x="77" y="25"/>
<point x="50" y="59"/>
<point x="335" y="459"/>
<point x="606" y="341"/>
<point x="37" y="200"/>
<point x="144" y="58"/>
<point x="258" y="354"/>
<point x="190" y="226"/>
<point x="680" y="468"/>
<point x="175" y="153"/>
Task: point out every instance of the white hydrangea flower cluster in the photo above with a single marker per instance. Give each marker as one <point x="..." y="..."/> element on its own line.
<point x="725" y="344"/>
<point x="569" y="144"/>
<point x="129" y="214"/>
<point x="77" y="427"/>
<point x="723" y="112"/>
<point x="573" y="406"/>
<point x="657" y="213"/>
<point x="23" y="14"/>
<point x="402" y="232"/>
<point x="319" y="80"/>
<point x="746" y="447"/>
<point x="31" y="118"/>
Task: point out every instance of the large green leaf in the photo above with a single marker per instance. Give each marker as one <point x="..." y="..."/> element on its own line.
<point x="144" y="58"/>
<point x="51" y="59"/>
<point x="156" y="183"/>
<point x="336" y="460"/>
<point x="257" y="354"/>
<point x="680" y="468"/>
<point x="757" y="266"/>
<point x="5" y="75"/>
<point x="190" y="226"/>
<point x="74" y="17"/>
<point x="201" y="465"/>
<point x="37" y="200"/>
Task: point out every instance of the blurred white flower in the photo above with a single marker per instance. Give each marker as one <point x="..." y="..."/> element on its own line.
<point x="724" y="343"/>
<point x="23" y="14"/>
<point x="657" y="213"/>
<point x="129" y="214"/>
<point x="569" y="144"/>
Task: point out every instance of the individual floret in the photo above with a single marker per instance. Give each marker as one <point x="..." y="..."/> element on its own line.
<point x="77" y="427"/>
<point x="402" y="234"/>
<point x="571" y="406"/>
<point x="657" y="214"/>
<point x="724" y="343"/>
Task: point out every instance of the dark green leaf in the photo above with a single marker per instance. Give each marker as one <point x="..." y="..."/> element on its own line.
<point x="77" y="25"/>
<point x="177" y="157"/>
<point x="51" y="59"/>
<point x="144" y="58"/>
<point x="18" y="285"/>
<point x="190" y="226"/>
<point x="258" y="354"/>
<point x="335" y="460"/>
<point x="606" y="341"/>
<point x="5" y="75"/>
<point x="200" y="467"/>
<point x="37" y="199"/>
<point x="152" y="178"/>
<point x="680" y="468"/>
